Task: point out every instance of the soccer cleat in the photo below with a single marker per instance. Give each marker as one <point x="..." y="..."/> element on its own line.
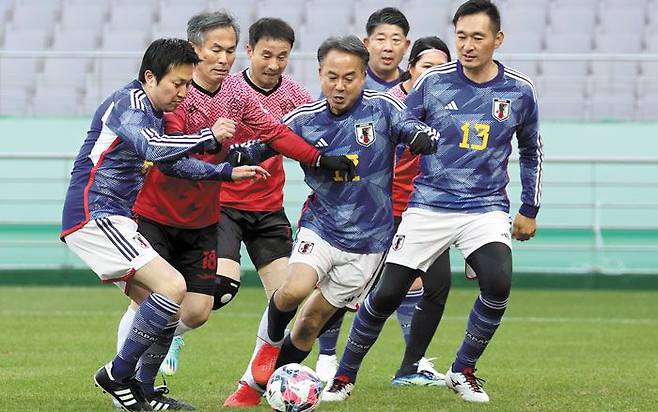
<point x="340" y="389"/>
<point x="170" y="362"/>
<point x="263" y="365"/>
<point x="422" y="378"/>
<point x="467" y="385"/>
<point x="129" y="394"/>
<point x="245" y="395"/>
<point x="326" y="367"/>
<point x="160" y="402"/>
<point x="426" y="365"/>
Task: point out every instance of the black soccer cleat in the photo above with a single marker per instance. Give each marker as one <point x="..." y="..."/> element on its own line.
<point x="129" y="394"/>
<point x="160" y="402"/>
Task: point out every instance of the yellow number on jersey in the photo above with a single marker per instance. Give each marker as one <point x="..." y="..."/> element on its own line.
<point x="481" y="130"/>
<point x="341" y="178"/>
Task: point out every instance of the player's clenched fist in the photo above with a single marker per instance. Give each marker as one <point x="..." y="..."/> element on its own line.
<point x="523" y="227"/>
<point x="248" y="172"/>
<point x="223" y="129"/>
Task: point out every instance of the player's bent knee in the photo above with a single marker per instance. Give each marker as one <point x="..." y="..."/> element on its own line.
<point x="289" y="297"/>
<point x="225" y="291"/>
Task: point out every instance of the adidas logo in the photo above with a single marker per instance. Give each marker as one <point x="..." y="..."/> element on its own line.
<point x="321" y="143"/>
<point x="451" y="106"/>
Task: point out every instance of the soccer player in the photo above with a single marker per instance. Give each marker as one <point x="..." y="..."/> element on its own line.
<point x="253" y="213"/>
<point x="460" y="196"/>
<point x="179" y="217"/>
<point x="347" y="222"/>
<point x="426" y="52"/>
<point x="127" y="129"/>
<point x="387" y="43"/>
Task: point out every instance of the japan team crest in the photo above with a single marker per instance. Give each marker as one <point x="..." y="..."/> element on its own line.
<point x="365" y="134"/>
<point x="501" y="109"/>
<point x="398" y="242"/>
<point x="305" y="247"/>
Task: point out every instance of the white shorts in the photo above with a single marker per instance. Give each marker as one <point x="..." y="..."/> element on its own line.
<point x="343" y="277"/>
<point x="423" y="235"/>
<point x="112" y="248"/>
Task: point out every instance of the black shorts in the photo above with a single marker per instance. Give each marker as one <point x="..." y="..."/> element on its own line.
<point x="191" y="251"/>
<point x="267" y="235"/>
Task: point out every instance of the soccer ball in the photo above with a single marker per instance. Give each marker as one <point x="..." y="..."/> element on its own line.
<point x="294" y="388"/>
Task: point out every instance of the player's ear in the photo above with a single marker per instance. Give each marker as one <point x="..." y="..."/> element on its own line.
<point x="366" y="40"/>
<point x="500" y="36"/>
<point x="250" y="51"/>
<point x="150" y="79"/>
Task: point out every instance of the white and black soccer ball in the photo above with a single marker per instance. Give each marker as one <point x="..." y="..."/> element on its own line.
<point x="294" y="388"/>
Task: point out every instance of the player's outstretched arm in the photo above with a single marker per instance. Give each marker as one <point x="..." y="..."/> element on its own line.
<point x="195" y="169"/>
<point x="249" y="172"/>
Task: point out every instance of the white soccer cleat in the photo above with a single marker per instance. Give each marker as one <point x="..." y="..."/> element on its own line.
<point x="170" y="362"/>
<point x="467" y="385"/>
<point x="426" y="365"/>
<point x="339" y="390"/>
<point x="326" y="367"/>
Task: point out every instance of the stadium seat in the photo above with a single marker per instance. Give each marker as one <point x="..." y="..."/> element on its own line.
<point x="291" y="13"/>
<point x="572" y="19"/>
<point x="612" y="101"/>
<point x="309" y="40"/>
<point x="56" y="100"/>
<point x="522" y="41"/>
<point x="20" y="72"/>
<point x="174" y="16"/>
<point x="527" y="67"/>
<point x="622" y="19"/>
<point x="124" y="40"/>
<point x="13" y="100"/>
<point x="426" y="20"/>
<point x="557" y="42"/>
<point x="616" y="43"/>
<point x="137" y="15"/>
<point x="524" y="19"/>
<point x="329" y="18"/>
<point x="68" y="71"/>
<point x="90" y="15"/>
<point x="34" y="15"/>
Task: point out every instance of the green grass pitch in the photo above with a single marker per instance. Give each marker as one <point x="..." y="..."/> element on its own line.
<point x="556" y="350"/>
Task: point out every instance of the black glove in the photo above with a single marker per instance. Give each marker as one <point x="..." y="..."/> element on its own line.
<point x="422" y="143"/>
<point x="343" y="164"/>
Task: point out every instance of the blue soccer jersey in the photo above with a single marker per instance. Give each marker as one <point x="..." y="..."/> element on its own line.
<point x="373" y="82"/>
<point x="354" y="216"/>
<point x="468" y="172"/>
<point x="107" y="174"/>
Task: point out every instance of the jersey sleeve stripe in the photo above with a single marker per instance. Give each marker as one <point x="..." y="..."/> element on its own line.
<point x="524" y="80"/>
<point x="442" y="69"/>
<point x="314" y="107"/>
<point x="369" y="94"/>
<point x="540" y="170"/>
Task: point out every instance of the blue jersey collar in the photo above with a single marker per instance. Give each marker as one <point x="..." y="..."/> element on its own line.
<point x="381" y="81"/>
<point x="498" y="78"/>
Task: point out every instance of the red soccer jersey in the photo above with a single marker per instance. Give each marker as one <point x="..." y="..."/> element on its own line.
<point x="407" y="166"/>
<point x="265" y="195"/>
<point x="189" y="204"/>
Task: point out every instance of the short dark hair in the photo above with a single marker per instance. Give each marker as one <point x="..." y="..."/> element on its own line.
<point x="199" y="24"/>
<point x="164" y="54"/>
<point x="347" y="44"/>
<point x="273" y="28"/>
<point x="387" y="15"/>
<point x="479" y="6"/>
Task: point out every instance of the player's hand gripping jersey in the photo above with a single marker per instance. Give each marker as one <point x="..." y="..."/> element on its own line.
<point x="107" y="174"/>
<point x="183" y="203"/>
<point x="354" y="216"/>
<point x="468" y="173"/>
